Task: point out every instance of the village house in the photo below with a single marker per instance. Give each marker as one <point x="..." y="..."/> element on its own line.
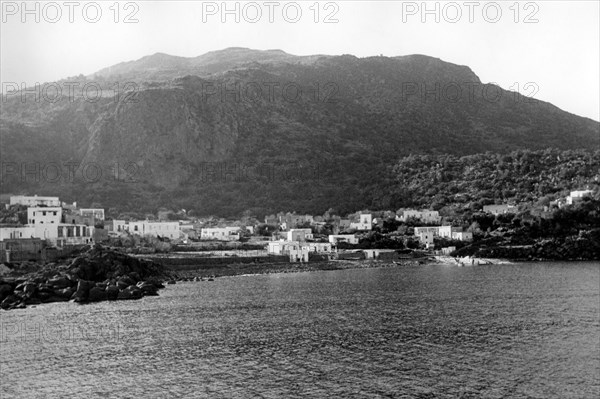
<point x="89" y="216"/>
<point x="69" y="234"/>
<point x="168" y="230"/>
<point x="462" y="236"/>
<point x="365" y="222"/>
<point x="298" y="251"/>
<point x="447" y="231"/>
<point x="425" y="237"/>
<point x="427" y="233"/>
<point x="290" y="221"/>
<point x="12" y="232"/>
<point x="34" y="201"/>
<point x="337" y="238"/>
<point x="433" y="230"/>
<point x="426" y="216"/>
<point x="220" y="233"/>
<point x="299" y="235"/>
<point x="499" y="209"/>
<point x="576" y="196"/>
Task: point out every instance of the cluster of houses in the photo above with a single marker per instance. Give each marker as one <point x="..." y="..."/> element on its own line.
<point x="49" y="223"/>
<point x="573" y="198"/>
<point x="52" y="223"/>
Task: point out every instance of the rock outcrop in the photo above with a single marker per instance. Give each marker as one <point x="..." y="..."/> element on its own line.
<point x="98" y="274"/>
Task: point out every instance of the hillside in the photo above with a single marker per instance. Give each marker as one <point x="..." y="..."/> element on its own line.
<point x="240" y="129"/>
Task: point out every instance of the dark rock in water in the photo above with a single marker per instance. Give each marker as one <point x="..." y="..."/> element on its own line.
<point x="46" y="288"/>
<point x="60" y="282"/>
<point x="95" y="274"/>
<point x="147" y="288"/>
<point x="5" y="290"/>
<point x="44" y="296"/>
<point x="10" y="302"/>
<point x="112" y="292"/>
<point x="33" y="301"/>
<point x="97" y="294"/>
<point x="136" y="293"/>
<point x="124" y="294"/>
<point x="83" y="290"/>
<point x="128" y="280"/>
<point x="29" y="288"/>
<point x="121" y="284"/>
<point x="64" y="293"/>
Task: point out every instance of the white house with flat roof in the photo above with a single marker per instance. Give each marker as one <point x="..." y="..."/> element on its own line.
<point x="34" y="200"/>
<point x="499" y="209"/>
<point x="44" y="215"/>
<point x="576" y="196"/>
<point x="96" y="213"/>
<point x="337" y="238"/>
<point x="299" y="235"/>
<point x="365" y="222"/>
<point x="16" y="232"/>
<point x="220" y="233"/>
<point x="425" y="215"/>
<point x="142" y="228"/>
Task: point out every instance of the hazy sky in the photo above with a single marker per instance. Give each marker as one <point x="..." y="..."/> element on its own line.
<point x="554" y="44"/>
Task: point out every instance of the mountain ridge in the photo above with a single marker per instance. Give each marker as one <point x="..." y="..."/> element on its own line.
<point x="351" y="118"/>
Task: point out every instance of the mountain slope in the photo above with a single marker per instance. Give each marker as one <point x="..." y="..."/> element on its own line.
<point x="240" y="128"/>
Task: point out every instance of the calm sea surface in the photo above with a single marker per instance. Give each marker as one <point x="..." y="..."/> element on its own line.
<point x="505" y="331"/>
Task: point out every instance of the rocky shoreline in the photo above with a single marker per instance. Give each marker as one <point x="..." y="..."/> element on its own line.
<point x="98" y="274"/>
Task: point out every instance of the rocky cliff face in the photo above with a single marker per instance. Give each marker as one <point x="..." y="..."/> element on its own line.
<point x="348" y="118"/>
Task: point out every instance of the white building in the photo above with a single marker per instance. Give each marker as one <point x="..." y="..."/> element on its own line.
<point x="448" y="231"/>
<point x="220" y="233"/>
<point x="349" y="238"/>
<point x="365" y="222"/>
<point x="319" y="247"/>
<point x="499" y="209"/>
<point x="577" y="196"/>
<point x="426" y="237"/>
<point x="297" y="251"/>
<point x="462" y="236"/>
<point x="15" y="232"/>
<point x="299" y="235"/>
<point x="426" y="216"/>
<point x="44" y="215"/>
<point x="96" y="213"/>
<point x="34" y="200"/>
<point x="73" y="234"/>
<point x="433" y="230"/>
<point x="427" y="233"/>
<point x="168" y="230"/>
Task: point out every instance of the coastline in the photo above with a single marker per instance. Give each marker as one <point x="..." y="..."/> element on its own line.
<point x="187" y="273"/>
